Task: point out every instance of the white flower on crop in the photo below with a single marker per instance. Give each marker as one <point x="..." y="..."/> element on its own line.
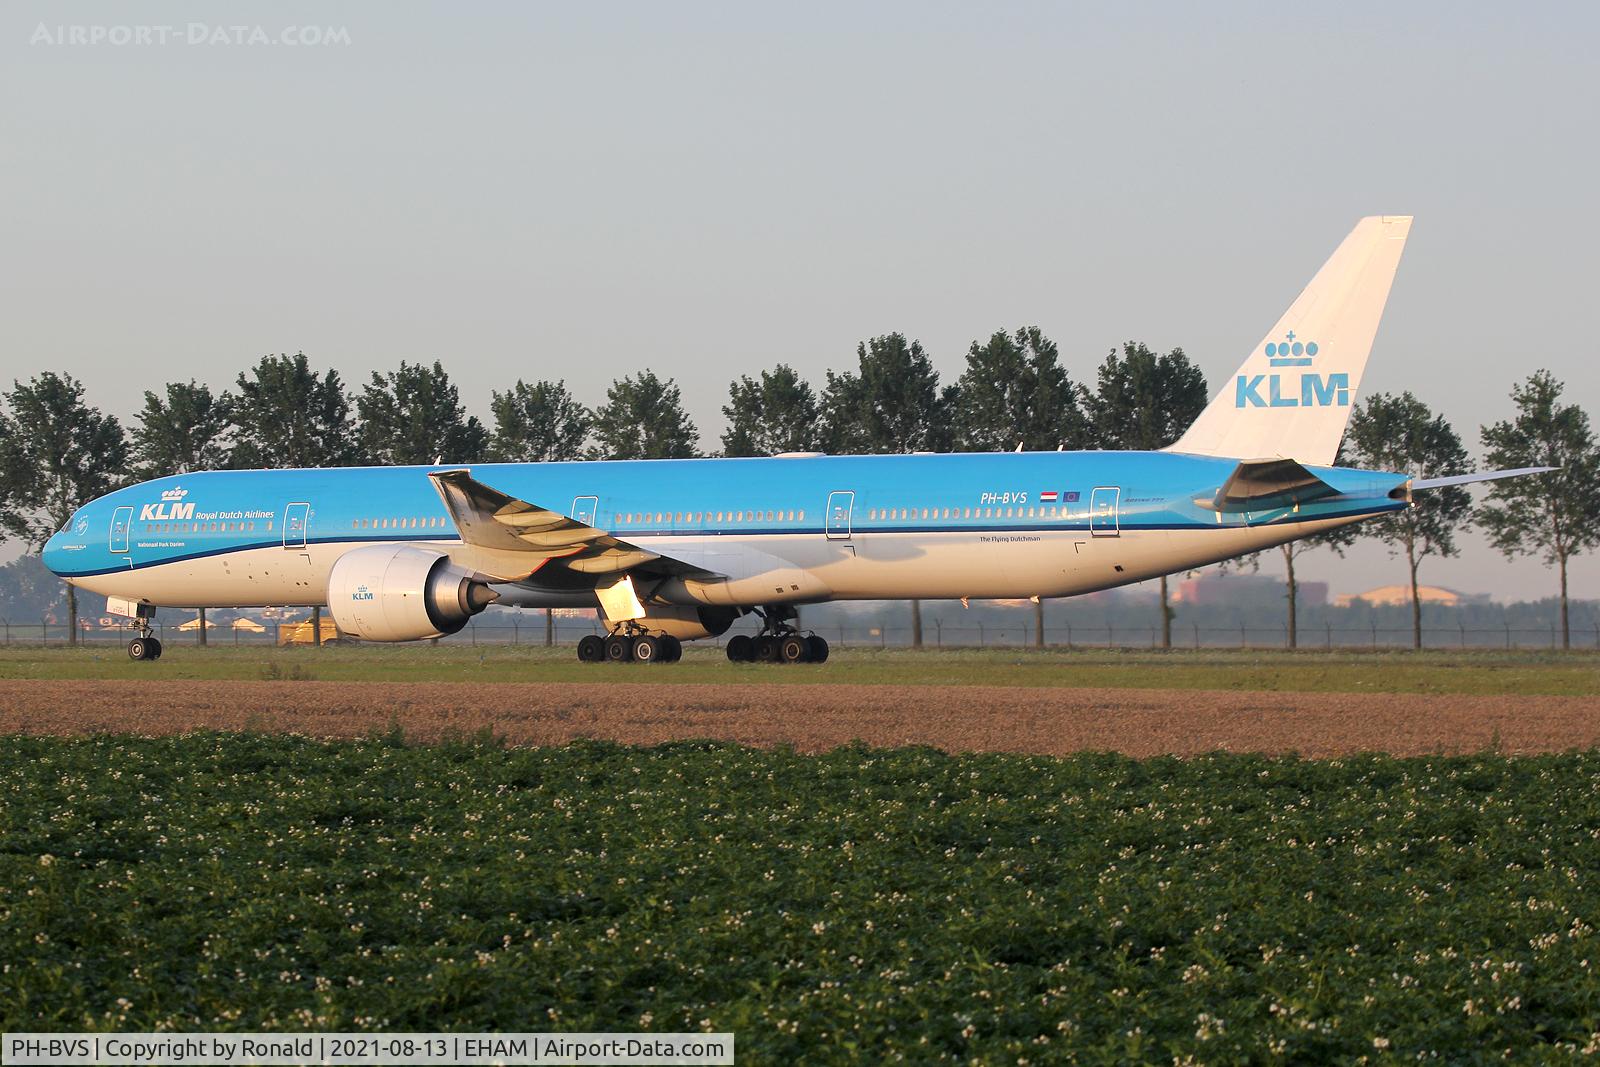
<point x="46" y="860"/>
<point x="1380" y="1042"/>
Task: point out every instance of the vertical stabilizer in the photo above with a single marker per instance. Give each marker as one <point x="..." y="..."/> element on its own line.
<point x="1291" y="397"/>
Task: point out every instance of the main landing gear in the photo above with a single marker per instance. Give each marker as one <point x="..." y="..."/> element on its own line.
<point x="630" y="644"/>
<point x="778" y="642"/>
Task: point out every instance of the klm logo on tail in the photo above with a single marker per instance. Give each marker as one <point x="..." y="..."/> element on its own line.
<point x="1304" y="389"/>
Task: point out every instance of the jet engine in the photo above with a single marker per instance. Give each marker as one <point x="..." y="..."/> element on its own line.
<point x="686" y="623"/>
<point x="402" y="593"/>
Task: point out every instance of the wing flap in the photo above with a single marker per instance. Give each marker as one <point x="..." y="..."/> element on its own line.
<point x="491" y="519"/>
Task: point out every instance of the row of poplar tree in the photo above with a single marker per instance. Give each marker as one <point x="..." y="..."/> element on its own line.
<point x="57" y="452"/>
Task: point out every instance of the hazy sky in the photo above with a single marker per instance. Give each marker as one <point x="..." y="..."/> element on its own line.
<point x="583" y="191"/>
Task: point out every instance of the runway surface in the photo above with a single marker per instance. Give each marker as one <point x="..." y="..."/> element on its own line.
<point x="1138" y="722"/>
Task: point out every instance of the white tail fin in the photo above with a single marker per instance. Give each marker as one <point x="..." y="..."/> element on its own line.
<point x="1291" y="397"/>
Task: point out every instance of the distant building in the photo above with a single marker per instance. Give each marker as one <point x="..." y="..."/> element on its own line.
<point x="1233" y="589"/>
<point x="1394" y="595"/>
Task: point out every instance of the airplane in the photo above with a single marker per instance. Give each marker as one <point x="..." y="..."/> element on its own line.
<point x="674" y="550"/>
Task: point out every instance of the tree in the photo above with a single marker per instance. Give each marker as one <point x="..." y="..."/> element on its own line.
<point x="891" y="403"/>
<point x="1400" y="433"/>
<point x="287" y="415"/>
<point x="1144" y="402"/>
<point x="1556" y="515"/>
<point x="538" y="423"/>
<point x="414" y="415"/>
<point x="643" y="418"/>
<point x="62" y="454"/>
<point x="28" y="591"/>
<point x="187" y="431"/>
<point x="776" y="414"/>
<point x="1014" y="391"/>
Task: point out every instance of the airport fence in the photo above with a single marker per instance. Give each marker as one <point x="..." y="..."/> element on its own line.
<point x="532" y="632"/>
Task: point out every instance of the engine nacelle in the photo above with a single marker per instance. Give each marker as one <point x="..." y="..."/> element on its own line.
<point x="401" y="593"/>
<point x="686" y="623"/>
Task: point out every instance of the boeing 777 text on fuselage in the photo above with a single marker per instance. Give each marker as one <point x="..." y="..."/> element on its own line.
<point x="673" y="550"/>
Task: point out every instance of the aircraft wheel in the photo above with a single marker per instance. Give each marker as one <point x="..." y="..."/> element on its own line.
<point x="646" y="649"/>
<point x="767" y="649"/>
<point x="592" y="649"/>
<point x="741" y="649"/>
<point x="671" y="649"/>
<point x="155" y="647"/>
<point x="818" y="648"/>
<point x="619" y="649"/>
<point x="139" y="649"/>
<point x="794" y="649"/>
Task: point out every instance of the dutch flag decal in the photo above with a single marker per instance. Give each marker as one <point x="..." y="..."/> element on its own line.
<point x="1049" y="496"/>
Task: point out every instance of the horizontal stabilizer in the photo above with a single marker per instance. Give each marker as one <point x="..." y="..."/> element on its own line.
<point x="1484" y="476"/>
<point x="1264" y="484"/>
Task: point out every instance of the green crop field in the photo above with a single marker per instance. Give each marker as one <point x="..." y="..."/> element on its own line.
<point x="843" y="907"/>
<point x="1471" y="672"/>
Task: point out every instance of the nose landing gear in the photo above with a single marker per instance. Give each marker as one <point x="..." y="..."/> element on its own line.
<point x="144" y="647"/>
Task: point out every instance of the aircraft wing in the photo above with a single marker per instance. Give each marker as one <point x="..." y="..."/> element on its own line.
<point x="1263" y="484"/>
<point x="491" y="519"/>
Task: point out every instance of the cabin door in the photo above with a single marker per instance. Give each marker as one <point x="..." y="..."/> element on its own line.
<point x="295" y="518"/>
<point x="121" y="524"/>
<point x="840" y="505"/>
<point x="584" y="507"/>
<point x="1103" y="521"/>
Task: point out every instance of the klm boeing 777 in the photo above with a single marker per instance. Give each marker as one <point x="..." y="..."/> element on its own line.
<point x="673" y="550"/>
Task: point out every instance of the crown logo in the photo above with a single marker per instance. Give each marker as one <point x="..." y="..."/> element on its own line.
<point x="175" y="493"/>
<point x="1290" y="352"/>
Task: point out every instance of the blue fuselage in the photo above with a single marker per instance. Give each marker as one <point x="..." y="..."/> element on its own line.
<point x="918" y="525"/>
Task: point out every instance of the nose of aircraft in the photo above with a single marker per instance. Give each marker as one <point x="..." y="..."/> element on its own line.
<point x="52" y="553"/>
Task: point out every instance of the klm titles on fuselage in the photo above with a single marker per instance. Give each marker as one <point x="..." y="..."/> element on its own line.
<point x="1305" y="389"/>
